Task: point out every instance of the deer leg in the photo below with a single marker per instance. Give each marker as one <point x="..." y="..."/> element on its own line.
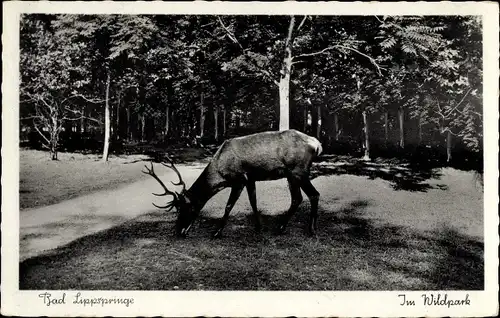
<point x="294" y="187"/>
<point x="252" y="196"/>
<point x="233" y="197"/>
<point x="313" y="196"/>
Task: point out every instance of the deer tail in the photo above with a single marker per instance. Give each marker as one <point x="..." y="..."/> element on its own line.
<point x="319" y="149"/>
<point x="316" y="145"/>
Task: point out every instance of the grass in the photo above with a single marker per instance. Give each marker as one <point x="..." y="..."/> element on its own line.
<point x="45" y="182"/>
<point x="350" y="253"/>
<point x="374" y="234"/>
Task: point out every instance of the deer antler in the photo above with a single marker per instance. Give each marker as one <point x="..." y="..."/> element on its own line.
<point x="172" y="166"/>
<point x="151" y="172"/>
<point x="168" y="207"/>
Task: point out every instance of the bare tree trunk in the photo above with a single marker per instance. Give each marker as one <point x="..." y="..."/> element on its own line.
<point x="202" y="112"/>
<point x="53" y="154"/>
<point x="386" y="127"/>
<point x="54" y="139"/>
<point x="129" y="132"/>
<point x="216" y="123"/>
<point x="284" y="93"/>
<point x="224" y="124"/>
<point x="401" y="115"/>
<point x="117" y="118"/>
<point x="237" y="121"/>
<point x="83" y="125"/>
<point x="107" y="121"/>
<point x="167" y="120"/>
<point x="448" y="146"/>
<point x="284" y="83"/>
<point x="366" y="144"/>
<point x="305" y="118"/>
<point x="336" y="123"/>
<point x="318" y="126"/>
<point x="420" y="129"/>
<point x="143" y="127"/>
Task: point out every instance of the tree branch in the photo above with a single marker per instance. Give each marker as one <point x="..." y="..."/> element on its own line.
<point x="41" y="134"/>
<point x="337" y="46"/>
<point x="459" y="103"/>
<point x="301" y="23"/>
<point x="290" y="31"/>
<point x="84" y="117"/>
<point x="440" y="111"/>
<point x="40" y="99"/>
<point x="379" y="19"/>
<point x="323" y="51"/>
<point x="442" y="130"/>
<point x="94" y="101"/>
<point x="77" y="112"/>
<point x="31" y="117"/>
<point x="230" y="34"/>
<point x="235" y="40"/>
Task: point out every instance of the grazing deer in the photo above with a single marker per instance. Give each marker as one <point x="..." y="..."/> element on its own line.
<point x="239" y="163"/>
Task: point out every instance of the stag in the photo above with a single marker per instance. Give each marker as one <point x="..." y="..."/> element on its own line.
<point x="239" y="163"/>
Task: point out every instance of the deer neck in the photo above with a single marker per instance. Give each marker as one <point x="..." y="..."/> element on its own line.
<point x="205" y="187"/>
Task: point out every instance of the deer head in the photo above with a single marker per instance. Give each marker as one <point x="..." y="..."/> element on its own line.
<point x="185" y="209"/>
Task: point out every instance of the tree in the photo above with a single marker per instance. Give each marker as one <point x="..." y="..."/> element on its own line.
<point x="281" y="39"/>
<point x="52" y="99"/>
<point x="107" y="120"/>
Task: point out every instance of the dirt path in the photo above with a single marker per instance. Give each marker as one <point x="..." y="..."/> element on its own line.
<point x="46" y="228"/>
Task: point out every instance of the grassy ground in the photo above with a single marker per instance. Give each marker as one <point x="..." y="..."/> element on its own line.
<point x="44" y="182"/>
<point x="382" y="226"/>
<point x="350" y="253"/>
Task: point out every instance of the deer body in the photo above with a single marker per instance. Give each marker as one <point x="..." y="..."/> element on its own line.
<point x="242" y="161"/>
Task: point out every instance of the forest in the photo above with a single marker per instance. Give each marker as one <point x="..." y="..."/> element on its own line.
<point x="366" y="86"/>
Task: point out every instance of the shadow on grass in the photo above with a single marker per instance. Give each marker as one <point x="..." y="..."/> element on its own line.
<point x="403" y="176"/>
<point x="350" y="252"/>
<point x="179" y="156"/>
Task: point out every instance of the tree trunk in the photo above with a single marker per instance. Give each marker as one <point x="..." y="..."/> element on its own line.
<point x="107" y="121"/>
<point x="117" y="118"/>
<point x="129" y="132"/>
<point x="448" y="146"/>
<point x="53" y="154"/>
<point x="53" y="142"/>
<point x="284" y="94"/>
<point x="284" y="83"/>
<point x="216" y="123"/>
<point x="366" y="144"/>
<point x="83" y="125"/>
<point x="224" y="125"/>
<point x="237" y="122"/>
<point x="202" y="112"/>
<point x="318" y="126"/>
<point x="337" y="128"/>
<point x="143" y="127"/>
<point x="54" y="139"/>
<point x="167" y="120"/>
<point x="305" y="119"/>
<point x="401" y="115"/>
<point x="386" y="127"/>
<point x="420" y="129"/>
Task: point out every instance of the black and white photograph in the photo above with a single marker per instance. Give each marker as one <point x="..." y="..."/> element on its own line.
<point x="187" y="159"/>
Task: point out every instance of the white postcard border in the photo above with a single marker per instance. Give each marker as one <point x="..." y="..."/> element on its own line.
<point x="265" y="304"/>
